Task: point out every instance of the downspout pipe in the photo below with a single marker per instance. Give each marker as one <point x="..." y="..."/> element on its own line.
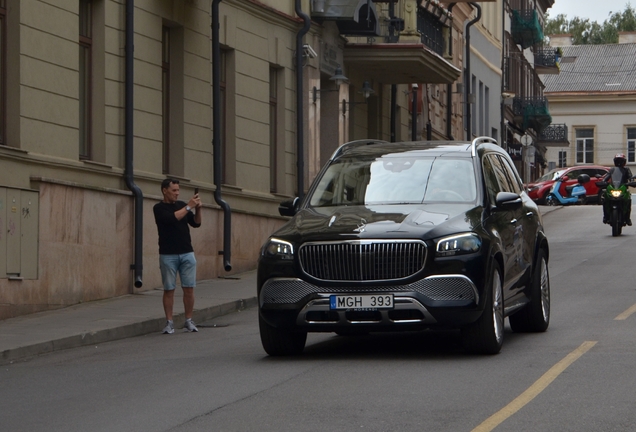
<point x="300" y="153"/>
<point x="216" y="137"/>
<point x="449" y="86"/>
<point x="468" y="79"/>
<point x="137" y="266"/>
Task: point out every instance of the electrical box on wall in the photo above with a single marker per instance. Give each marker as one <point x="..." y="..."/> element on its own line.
<point x="19" y="216"/>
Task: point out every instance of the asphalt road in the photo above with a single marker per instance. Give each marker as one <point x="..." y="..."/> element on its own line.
<point x="578" y="376"/>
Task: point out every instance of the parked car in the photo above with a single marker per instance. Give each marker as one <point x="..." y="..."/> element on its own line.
<point x="539" y="189"/>
<point x="407" y="236"/>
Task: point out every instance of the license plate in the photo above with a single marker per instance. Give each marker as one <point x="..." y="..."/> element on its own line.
<point x="373" y="301"/>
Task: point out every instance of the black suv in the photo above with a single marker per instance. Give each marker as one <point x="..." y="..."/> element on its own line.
<point x="407" y="236"/>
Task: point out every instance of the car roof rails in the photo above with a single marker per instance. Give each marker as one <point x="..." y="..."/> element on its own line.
<point x="354" y="144"/>
<point x="481" y="140"/>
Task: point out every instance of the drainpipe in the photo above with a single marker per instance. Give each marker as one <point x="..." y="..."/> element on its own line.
<point x="449" y="87"/>
<point x="300" y="154"/>
<point x="469" y="107"/>
<point x="216" y="137"/>
<point x="502" y="140"/>
<point x="393" y="86"/>
<point x="414" y="112"/>
<point x="137" y="266"/>
<point x="393" y="110"/>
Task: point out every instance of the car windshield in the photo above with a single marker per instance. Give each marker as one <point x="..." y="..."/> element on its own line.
<point x="552" y="175"/>
<point x="396" y="179"/>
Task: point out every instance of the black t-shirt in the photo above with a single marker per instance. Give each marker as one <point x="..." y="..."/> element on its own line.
<point x="174" y="234"/>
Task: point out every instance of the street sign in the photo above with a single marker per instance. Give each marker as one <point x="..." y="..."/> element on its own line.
<point x="526" y="140"/>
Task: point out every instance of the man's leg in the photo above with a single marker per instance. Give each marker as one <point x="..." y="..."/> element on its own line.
<point x="188" y="301"/>
<point x="188" y="275"/>
<point x="168" y="267"/>
<point x="168" y="303"/>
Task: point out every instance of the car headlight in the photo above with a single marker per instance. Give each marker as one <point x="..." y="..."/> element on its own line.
<point x="458" y="245"/>
<point x="616" y="193"/>
<point x="279" y="249"/>
<point x="533" y="188"/>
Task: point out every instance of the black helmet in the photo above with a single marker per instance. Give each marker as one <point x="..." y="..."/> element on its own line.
<point x="620" y="160"/>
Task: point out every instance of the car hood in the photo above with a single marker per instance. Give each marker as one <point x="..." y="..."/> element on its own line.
<point x="543" y="183"/>
<point x="386" y="221"/>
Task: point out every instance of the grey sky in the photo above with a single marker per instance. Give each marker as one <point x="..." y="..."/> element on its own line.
<point x="597" y="11"/>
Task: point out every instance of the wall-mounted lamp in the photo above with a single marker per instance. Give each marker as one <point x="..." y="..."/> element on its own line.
<point x="366" y="91"/>
<point x="338" y="78"/>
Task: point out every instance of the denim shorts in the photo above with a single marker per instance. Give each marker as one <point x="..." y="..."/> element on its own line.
<point x="183" y="264"/>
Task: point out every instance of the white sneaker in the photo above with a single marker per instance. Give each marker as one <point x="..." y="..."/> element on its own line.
<point x="190" y="326"/>
<point x="169" y="328"/>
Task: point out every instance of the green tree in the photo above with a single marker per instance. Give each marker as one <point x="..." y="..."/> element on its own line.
<point x="585" y="32"/>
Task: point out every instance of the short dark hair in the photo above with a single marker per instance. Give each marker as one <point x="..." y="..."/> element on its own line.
<point x="165" y="184"/>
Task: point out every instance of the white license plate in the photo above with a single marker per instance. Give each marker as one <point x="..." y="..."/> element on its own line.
<point x="372" y="301"/>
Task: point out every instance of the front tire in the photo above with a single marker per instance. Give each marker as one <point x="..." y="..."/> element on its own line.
<point x="278" y="342"/>
<point x="551" y="199"/>
<point x="617" y="223"/>
<point x="485" y="336"/>
<point x="535" y="317"/>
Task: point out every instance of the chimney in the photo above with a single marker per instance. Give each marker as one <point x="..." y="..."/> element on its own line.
<point x="560" y="40"/>
<point x="626" y="37"/>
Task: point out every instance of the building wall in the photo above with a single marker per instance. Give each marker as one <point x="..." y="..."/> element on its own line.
<point x="608" y="116"/>
<point x="84" y="240"/>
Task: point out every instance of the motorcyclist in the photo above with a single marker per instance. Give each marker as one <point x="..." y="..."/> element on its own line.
<point x="619" y="164"/>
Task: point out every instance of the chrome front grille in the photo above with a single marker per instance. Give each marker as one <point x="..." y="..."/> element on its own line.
<point x="444" y="288"/>
<point x="363" y="260"/>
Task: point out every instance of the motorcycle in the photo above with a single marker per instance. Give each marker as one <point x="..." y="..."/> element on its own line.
<point x="617" y="194"/>
<point x="574" y="194"/>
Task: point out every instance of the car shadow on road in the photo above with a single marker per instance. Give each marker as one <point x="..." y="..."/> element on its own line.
<point x="426" y="344"/>
<point x="433" y="344"/>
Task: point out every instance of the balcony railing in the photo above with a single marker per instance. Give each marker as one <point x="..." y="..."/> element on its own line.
<point x="520" y="77"/>
<point x="556" y="134"/>
<point x="526" y="29"/>
<point x="533" y="112"/>
<point x="430" y="28"/>
<point x="546" y="60"/>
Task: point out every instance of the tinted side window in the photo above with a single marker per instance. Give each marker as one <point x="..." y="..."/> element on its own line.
<point x="574" y="174"/>
<point x="513" y="177"/>
<point x="492" y="185"/>
<point x="501" y="174"/>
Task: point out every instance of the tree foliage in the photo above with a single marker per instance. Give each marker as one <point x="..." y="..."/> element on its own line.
<point x="586" y="32"/>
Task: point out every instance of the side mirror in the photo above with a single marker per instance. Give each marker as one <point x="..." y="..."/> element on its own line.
<point x="289" y="207"/>
<point x="601" y="184"/>
<point x="507" y="200"/>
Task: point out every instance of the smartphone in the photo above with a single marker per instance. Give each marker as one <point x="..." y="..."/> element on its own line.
<point x="196" y="190"/>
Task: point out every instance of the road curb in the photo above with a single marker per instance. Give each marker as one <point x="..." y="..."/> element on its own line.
<point x="123" y="332"/>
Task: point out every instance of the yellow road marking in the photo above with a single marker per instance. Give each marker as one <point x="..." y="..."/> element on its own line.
<point x="533" y="391"/>
<point x="626" y="314"/>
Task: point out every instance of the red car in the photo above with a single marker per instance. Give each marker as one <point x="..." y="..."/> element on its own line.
<point x="540" y="188"/>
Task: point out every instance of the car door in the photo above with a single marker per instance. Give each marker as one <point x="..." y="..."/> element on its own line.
<point x="528" y="226"/>
<point x="505" y="224"/>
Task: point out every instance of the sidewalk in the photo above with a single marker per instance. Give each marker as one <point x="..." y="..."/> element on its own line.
<point x="118" y="318"/>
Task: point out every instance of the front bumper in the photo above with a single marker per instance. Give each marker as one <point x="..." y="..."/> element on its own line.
<point x="448" y="300"/>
